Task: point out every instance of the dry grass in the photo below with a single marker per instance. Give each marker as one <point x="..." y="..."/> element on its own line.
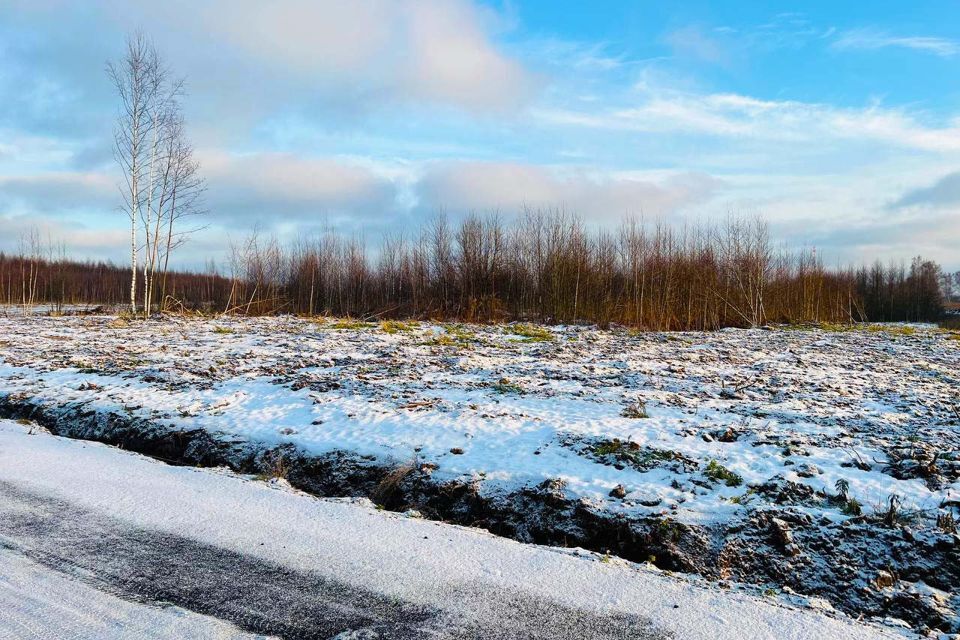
<point x="533" y="333"/>
<point x="951" y="323"/>
<point x="387" y="487"/>
<point x="397" y="326"/>
<point x="277" y="469"/>
<point x="347" y="324"/>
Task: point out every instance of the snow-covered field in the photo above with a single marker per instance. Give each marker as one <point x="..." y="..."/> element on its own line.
<point x="796" y="459"/>
<point x="57" y="496"/>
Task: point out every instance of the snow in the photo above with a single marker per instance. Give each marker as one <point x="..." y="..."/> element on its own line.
<point x="41" y="604"/>
<point x="524" y="412"/>
<point x="416" y="560"/>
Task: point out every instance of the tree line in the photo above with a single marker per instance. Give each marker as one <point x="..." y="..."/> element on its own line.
<point x="548" y="267"/>
<point x="540" y="266"/>
<point x="61" y="283"/>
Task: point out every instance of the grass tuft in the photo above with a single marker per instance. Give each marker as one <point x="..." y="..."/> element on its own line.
<point x="719" y="473"/>
<point x="533" y="333"/>
<point x="637" y="410"/>
<point x="397" y="326"/>
<point x="504" y="385"/>
<point x="349" y="324"/>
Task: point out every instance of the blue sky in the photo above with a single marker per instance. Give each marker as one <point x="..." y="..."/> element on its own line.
<point x="839" y="122"/>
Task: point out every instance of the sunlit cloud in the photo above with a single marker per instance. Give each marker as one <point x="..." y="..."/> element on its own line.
<point x="871" y="39"/>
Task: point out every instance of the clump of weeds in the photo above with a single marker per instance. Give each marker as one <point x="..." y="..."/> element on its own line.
<point x="636" y="410"/>
<point x="397" y="326"/>
<point x="719" y="473"/>
<point x="532" y="333"/>
<point x="505" y="385"/>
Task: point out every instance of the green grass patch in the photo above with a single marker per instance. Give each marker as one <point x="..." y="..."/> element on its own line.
<point x="845" y="327"/>
<point x="349" y="324"/>
<point x="460" y="333"/>
<point x="444" y="340"/>
<point x="639" y="457"/>
<point x="453" y="336"/>
<point x="892" y="329"/>
<point x="397" y="326"/>
<point x="533" y="333"/>
<point x="719" y="473"/>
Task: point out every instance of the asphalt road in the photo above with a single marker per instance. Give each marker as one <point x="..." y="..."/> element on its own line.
<point x="157" y="568"/>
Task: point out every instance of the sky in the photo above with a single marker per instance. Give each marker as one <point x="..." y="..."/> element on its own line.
<point x="838" y="122"/>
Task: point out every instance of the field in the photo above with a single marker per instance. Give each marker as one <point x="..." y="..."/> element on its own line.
<point x="814" y="462"/>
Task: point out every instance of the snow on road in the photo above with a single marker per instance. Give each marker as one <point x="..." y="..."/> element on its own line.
<point x="55" y="491"/>
<point x="42" y="604"/>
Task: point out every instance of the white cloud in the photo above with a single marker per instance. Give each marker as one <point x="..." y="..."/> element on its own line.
<point x="734" y="115"/>
<point x="694" y="42"/>
<point x="367" y="51"/>
<point x="279" y="187"/>
<point x="451" y="59"/>
<point x="872" y="39"/>
<point x="81" y="241"/>
<point x="489" y="186"/>
<point x="57" y="192"/>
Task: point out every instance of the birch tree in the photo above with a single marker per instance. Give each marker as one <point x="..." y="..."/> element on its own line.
<point x="161" y="178"/>
<point x="182" y="198"/>
<point x="138" y="79"/>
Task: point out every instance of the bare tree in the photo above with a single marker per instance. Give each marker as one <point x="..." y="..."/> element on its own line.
<point x="161" y="178"/>
<point x="30" y="263"/>
<point x="139" y="80"/>
<point x="185" y="194"/>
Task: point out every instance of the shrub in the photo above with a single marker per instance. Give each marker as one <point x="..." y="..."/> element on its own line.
<point x="852" y="507"/>
<point x="946" y="522"/>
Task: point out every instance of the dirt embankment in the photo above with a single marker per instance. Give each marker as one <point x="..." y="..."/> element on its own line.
<point x="863" y="566"/>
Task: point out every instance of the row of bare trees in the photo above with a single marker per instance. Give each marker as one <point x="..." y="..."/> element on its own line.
<point x="542" y="266"/>
<point x="916" y="292"/>
<point x="162" y="183"/>
<point x="950" y="286"/>
<point x="46" y="277"/>
<point x="549" y="267"/>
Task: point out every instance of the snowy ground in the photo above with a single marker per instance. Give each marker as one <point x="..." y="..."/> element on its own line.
<point x="732" y="443"/>
<point x="271" y="559"/>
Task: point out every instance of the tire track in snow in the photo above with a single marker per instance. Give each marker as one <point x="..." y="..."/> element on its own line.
<point x="271" y="599"/>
